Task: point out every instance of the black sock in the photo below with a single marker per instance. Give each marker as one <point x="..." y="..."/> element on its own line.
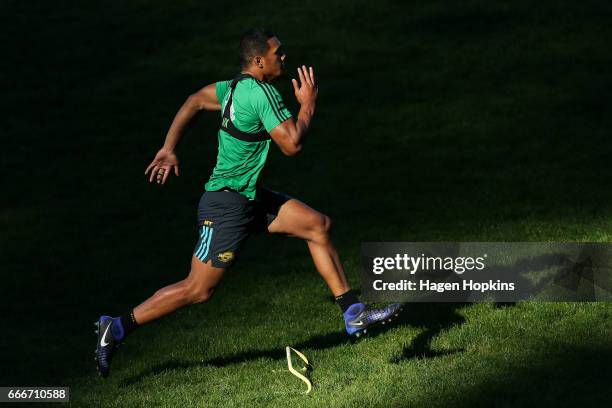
<point x="128" y="322"/>
<point x="346" y="300"/>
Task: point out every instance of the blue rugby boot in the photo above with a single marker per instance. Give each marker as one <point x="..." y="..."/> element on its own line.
<point x="358" y="318"/>
<point x="110" y="333"/>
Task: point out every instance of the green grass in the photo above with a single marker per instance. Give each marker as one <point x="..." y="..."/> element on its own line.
<point x="440" y="121"/>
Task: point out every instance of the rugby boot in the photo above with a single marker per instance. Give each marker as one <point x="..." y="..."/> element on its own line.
<point x="109" y="333"/>
<point x="358" y="318"/>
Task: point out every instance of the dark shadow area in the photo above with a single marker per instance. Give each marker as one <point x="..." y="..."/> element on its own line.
<point x="571" y="377"/>
<point x="317" y="342"/>
<point x="503" y="305"/>
<point x="433" y="317"/>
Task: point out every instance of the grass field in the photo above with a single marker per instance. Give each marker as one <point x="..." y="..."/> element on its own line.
<point x="437" y="121"/>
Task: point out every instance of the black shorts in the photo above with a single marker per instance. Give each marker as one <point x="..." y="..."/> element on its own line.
<point x="226" y="218"/>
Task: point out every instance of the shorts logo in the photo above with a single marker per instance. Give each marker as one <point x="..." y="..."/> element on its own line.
<point x="225" y="256"/>
<point x="207" y="222"/>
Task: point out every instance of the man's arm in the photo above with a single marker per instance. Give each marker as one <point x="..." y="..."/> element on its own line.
<point x="165" y="160"/>
<point x="290" y="134"/>
<point x="204" y="99"/>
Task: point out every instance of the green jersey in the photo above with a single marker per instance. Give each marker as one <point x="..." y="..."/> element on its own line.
<point x="255" y="106"/>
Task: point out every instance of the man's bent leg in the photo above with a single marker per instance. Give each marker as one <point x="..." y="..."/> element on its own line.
<point x="196" y="288"/>
<point x="298" y="219"/>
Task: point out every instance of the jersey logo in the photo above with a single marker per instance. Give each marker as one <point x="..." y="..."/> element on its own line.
<point x="207" y="222"/>
<point x="224" y="122"/>
<point x="225" y="256"/>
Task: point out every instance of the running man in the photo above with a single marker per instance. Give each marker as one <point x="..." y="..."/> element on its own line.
<point x="234" y="204"/>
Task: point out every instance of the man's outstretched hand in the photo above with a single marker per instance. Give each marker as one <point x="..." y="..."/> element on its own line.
<point x="306" y="90"/>
<point x="162" y="166"/>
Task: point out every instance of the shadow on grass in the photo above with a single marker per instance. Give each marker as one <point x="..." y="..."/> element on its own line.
<point x="438" y="317"/>
<point x="433" y="317"/>
<point x="317" y="342"/>
<point x="571" y="376"/>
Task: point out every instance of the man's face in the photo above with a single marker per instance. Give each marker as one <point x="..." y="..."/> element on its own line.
<point x="274" y="59"/>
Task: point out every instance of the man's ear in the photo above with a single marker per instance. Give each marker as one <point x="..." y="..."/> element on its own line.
<point x="259" y="62"/>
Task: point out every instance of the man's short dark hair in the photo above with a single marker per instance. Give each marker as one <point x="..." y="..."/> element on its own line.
<point x="252" y="43"/>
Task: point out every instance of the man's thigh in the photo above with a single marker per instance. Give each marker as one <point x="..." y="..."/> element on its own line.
<point x="296" y="218"/>
<point x="204" y="275"/>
